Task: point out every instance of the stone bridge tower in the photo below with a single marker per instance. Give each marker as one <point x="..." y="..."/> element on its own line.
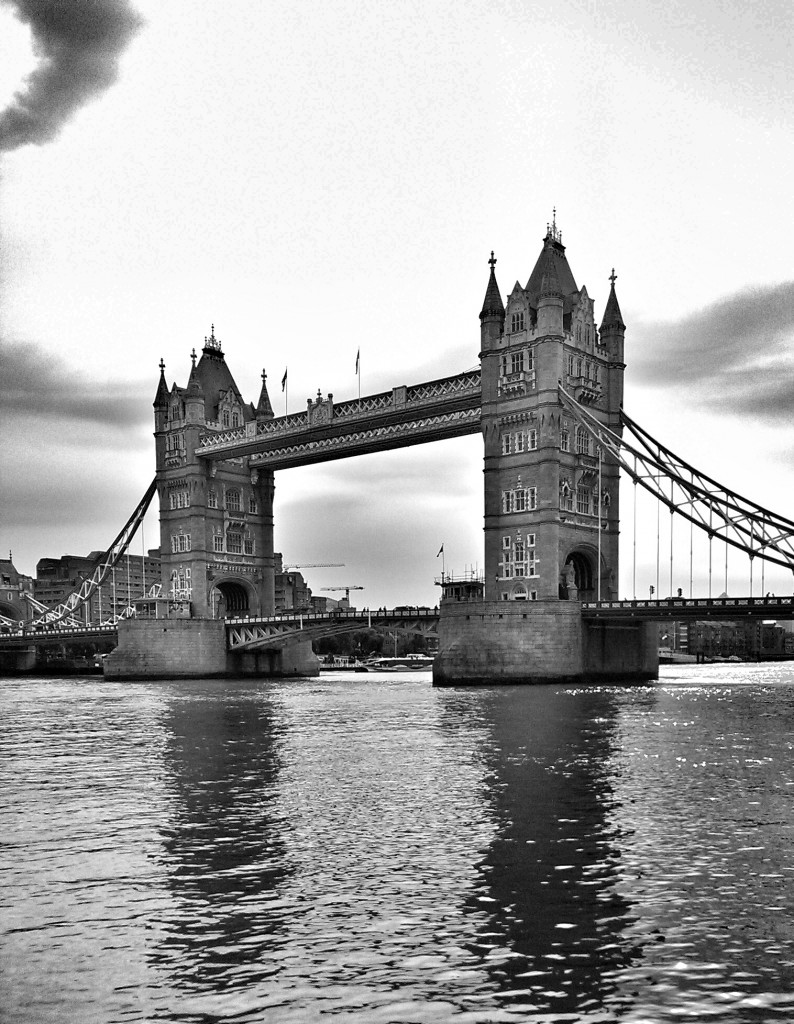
<point x="551" y="503"/>
<point x="216" y="518"/>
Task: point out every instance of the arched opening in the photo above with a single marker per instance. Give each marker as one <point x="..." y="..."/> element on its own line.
<point x="230" y="598"/>
<point x="579" y="572"/>
<point x="520" y="592"/>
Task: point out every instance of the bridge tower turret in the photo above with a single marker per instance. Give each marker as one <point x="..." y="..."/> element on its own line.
<point x="550" y="504"/>
<point x="216" y="517"/>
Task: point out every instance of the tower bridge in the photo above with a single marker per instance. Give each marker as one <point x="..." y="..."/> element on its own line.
<point x="547" y="398"/>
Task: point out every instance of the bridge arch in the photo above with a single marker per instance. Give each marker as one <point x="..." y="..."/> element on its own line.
<point x="579" y="574"/>
<point x="233" y="595"/>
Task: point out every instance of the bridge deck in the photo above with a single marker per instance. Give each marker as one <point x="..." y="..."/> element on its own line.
<point x="432" y="411"/>
<point x="692" y="608"/>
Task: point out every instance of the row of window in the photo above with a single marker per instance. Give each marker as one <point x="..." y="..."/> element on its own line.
<point x="519" y="593"/>
<point x="517" y="361"/>
<point x="584" y="443"/>
<point x="180" y="499"/>
<point x="583" y="499"/>
<point x="230" y="421"/>
<point x="520" y="499"/>
<point x="520" y="441"/>
<point x="578" y="367"/>
<point x="235" y="544"/>
<point x="233" y="501"/>
<point x="180" y="542"/>
<point x="181" y="584"/>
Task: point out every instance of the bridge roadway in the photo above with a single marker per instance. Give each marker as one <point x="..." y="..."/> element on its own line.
<point x="681" y="608"/>
<point x="406" y="415"/>
<point x="275" y="630"/>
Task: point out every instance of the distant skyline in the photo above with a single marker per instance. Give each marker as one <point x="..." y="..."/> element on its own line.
<point x="319" y="181"/>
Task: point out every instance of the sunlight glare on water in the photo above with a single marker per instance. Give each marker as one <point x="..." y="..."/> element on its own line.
<point x="372" y="849"/>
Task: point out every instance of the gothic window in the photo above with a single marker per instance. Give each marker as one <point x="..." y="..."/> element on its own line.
<point x="583" y="501"/>
<point x="578" y="367"/>
<point x="234" y="543"/>
<point x="519" y="441"/>
<point x="180" y="499"/>
<point x="582" y="441"/>
<point x="570" y="366"/>
<point x="180" y="542"/>
<point x="517" y="322"/>
<point x="212" y="498"/>
<point x="217" y="543"/>
<point x="235" y="419"/>
<point x="505" y="444"/>
<point x="517" y="362"/>
<point x="565" y="438"/>
<point x="532" y="439"/>
<point x="225" y="418"/>
<point x="249" y="546"/>
<point x="181" y="584"/>
<point x="252" y="504"/>
<point x="520" y="499"/>
<point x="233" y="501"/>
<point x="506" y="543"/>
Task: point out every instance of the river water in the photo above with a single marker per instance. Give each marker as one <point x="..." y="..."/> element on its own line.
<point x="366" y="848"/>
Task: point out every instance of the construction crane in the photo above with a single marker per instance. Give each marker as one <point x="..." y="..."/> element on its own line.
<point x="346" y="590"/>
<point x="314" y="565"/>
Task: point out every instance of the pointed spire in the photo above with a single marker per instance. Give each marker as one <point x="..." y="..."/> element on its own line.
<point x="194" y="384"/>
<point x="612" y="314"/>
<point x="161" y="398"/>
<point x="493" y="305"/>
<point x="264" y="410"/>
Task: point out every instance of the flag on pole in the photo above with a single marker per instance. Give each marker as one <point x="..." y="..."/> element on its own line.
<point x="358" y="356"/>
<point x="440" y="551"/>
<point x="284" y="381"/>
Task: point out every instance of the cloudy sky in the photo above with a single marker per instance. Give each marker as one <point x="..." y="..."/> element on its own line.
<point x="318" y="178"/>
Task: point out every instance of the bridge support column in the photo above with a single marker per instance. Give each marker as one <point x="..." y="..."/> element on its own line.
<point x="168" y="649"/>
<point x="530" y="642"/>
<point x="19" y="662"/>
<point x="196" y="649"/>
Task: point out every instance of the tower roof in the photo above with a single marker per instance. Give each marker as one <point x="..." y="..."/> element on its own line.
<point x="612" y="314"/>
<point x="552" y="263"/>
<point x="492" y="305"/>
<point x="212" y="376"/>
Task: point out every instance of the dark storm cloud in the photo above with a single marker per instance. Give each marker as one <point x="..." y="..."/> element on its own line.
<point x="36" y="385"/>
<point x="78" y="44"/>
<point x="736" y="354"/>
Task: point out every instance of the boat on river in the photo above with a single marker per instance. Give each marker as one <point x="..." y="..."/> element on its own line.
<point x="407" y="663"/>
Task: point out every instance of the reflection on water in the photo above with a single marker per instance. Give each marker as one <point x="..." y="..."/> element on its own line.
<point x="372" y="849"/>
<point x="223" y="849"/>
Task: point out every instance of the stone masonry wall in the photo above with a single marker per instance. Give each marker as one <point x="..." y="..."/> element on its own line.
<point x="493" y="642"/>
<point x="526" y="642"/>
<point x="168" y="649"/>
